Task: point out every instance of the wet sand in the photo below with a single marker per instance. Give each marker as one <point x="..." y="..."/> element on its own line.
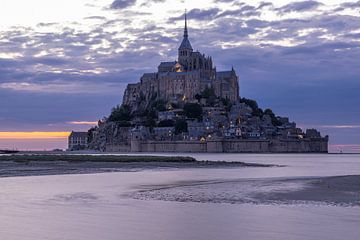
<point x="333" y="190"/>
<point x="38" y="165"/>
<point x="102" y="206"/>
<point x="339" y="191"/>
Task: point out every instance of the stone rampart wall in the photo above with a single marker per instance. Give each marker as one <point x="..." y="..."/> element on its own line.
<point x="234" y="146"/>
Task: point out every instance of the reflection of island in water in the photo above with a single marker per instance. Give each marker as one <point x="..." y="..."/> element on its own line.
<point x="190" y="106"/>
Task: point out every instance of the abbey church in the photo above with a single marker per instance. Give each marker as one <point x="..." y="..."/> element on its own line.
<point x="183" y="79"/>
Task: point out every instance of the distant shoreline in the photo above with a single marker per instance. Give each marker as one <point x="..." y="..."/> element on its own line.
<point x="174" y="153"/>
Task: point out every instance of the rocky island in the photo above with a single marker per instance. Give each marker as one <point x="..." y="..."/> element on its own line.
<point x="189" y="106"/>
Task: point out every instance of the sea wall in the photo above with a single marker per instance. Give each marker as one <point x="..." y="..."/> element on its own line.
<point x="234" y="146"/>
<point x="246" y="146"/>
<point x="168" y="146"/>
<point x="117" y="148"/>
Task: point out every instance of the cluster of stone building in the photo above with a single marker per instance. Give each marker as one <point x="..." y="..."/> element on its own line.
<point x="226" y="125"/>
<point x="236" y="130"/>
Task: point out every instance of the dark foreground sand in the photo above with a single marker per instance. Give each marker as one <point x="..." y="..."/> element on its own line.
<point x="340" y="190"/>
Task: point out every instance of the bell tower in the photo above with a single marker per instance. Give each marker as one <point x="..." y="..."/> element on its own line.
<point x="185" y="48"/>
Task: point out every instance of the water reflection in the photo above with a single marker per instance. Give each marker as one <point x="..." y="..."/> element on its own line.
<point x="98" y="206"/>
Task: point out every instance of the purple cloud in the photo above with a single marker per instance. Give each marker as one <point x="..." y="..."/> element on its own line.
<point x="121" y="4"/>
<point x="299" y="6"/>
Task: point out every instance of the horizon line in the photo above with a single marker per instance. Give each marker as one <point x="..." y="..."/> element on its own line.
<point x="34" y="135"/>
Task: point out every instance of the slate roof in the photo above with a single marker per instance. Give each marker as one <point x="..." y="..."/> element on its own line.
<point x="79" y="134"/>
<point x="185" y="44"/>
<point x="167" y="64"/>
<point x="224" y="74"/>
<point x="149" y="75"/>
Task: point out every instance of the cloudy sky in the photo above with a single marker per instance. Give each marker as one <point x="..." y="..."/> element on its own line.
<point x="64" y="64"/>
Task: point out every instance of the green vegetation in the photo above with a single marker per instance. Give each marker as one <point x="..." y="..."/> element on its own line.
<point x="181" y="126"/>
<point x="90" y="133"/>
<point x="149" y="122"/>
<point x="257" y="112"/>
<point x="274" y="120"/>
<point x="227" y="104"/>
<point x="120" y="114"/>
<point x="148" y="117"/>
<point x="193" y="110"/>
<point x="260" y="113"/>
<point x="94" y="158"/>
<point x="166" y="123"/>
<point x="209" y="95"/>
<point x="159" y="105"/>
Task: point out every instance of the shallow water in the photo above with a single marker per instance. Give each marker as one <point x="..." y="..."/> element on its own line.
<point x="102" y="206"/>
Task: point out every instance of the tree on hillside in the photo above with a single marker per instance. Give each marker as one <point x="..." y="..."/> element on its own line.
<point x="120" y="114"/>
<point x="166" y="123"/>
<point x="251" y="103"/>
<point x="181" y="126"/>
<point x="208" y="93"/>
<point x="227" y="104"/>
<point x="159" y="105"/>
<point x="274" y="119"/>
<point x="258" y="112"/>
<point x="193" y="110"/>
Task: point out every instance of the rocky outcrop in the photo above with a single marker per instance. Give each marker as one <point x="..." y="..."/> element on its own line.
<point x="109" y="134"/>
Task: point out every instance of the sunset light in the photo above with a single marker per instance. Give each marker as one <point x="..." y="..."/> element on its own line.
<point x="33" y="135"/>
<point x="83" y="123"/>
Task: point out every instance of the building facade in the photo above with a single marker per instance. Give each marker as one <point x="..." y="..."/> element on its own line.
<point x="78" y="141"/>
<point x="179" y="80"/>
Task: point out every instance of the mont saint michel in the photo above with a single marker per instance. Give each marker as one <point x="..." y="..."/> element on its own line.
<point x="140" y="120"/>
<point x="188" y="105"/>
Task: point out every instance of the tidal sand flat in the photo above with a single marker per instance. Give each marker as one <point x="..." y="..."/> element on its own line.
<point x="55" y="164"/>
<point x="339" y="190"/>
<point x="245" y="202"/>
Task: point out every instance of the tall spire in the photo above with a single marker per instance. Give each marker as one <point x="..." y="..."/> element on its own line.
<point x="186" y="35"/>
<point x="185" y="44"/>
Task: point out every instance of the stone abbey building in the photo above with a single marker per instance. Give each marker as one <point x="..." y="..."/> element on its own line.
<point x="183" y="79"/>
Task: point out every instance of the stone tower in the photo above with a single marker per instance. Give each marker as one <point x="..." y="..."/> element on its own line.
<point x="185" y="48"/>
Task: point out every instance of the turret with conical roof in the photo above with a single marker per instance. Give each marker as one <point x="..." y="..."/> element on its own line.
<point x="185" y="48"/>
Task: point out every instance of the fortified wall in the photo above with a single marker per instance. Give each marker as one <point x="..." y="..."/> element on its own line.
<point x="233" y="146"/>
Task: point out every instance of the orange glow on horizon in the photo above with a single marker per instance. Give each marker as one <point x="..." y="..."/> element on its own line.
<point x="34" y="135"/>
<point x="83" y="123"/>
